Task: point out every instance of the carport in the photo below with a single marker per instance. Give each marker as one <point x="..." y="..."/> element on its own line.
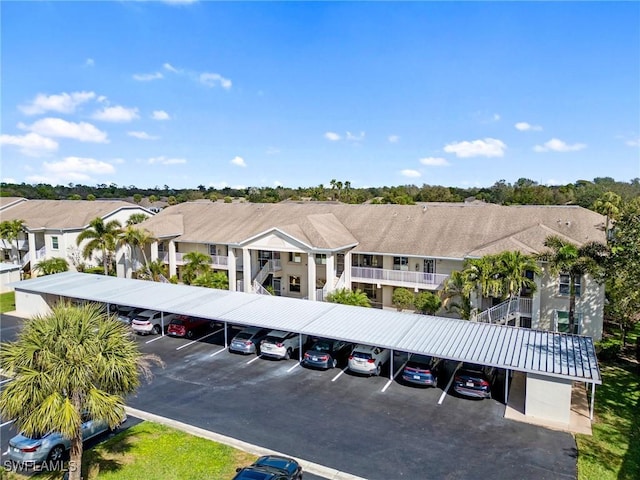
<point x="551" y="361"/>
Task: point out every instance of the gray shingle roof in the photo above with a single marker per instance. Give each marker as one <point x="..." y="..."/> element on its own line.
<point x="453" y="230"/>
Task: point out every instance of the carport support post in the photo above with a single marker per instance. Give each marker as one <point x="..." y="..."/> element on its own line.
<point x="162" y="321"/>
<point x="506" y="387"/>
<point x="300" y="348"/>
<point x="225" y="334"/>
<point x="391" y="369"/>
<point x="593" y="400"/>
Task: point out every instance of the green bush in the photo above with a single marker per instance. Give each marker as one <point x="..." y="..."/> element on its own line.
<point x="608" y="349"/>
<point x="96" y="270"/>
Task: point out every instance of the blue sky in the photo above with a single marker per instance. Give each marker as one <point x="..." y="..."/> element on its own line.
<point x="296" y="94"/>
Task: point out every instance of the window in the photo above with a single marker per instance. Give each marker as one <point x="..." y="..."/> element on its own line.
<point x="294" y="283"/>
<point x="401" y="263"/>
<point x="54" y="243"/>
<point x="162" y="247"/>
<point x="562" y="322"/>
<point x="429" y="265"/>
<point x="564" y="288"/>
<point x="295" y="257"/>
<point x="212" y="250"/>
<point x="321" y="258"/>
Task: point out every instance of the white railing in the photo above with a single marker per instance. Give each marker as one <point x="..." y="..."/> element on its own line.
<point x="219" y="260"/>
<point x="340" y="284"/>
<point x="270" y="266"/>
<point x="504" y="311"/>
<point x="259" y="289"/>
<point x="396" y="277"/>
<point x="41" y="253"/>
<point x="320" y="294"/>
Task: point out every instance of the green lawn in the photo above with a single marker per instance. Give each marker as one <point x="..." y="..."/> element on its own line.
<point x="154" y="452"/>
<point x="7" y="302"/>
<point x="613" y="452"/>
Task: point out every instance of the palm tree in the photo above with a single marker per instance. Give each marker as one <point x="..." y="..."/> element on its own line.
<point x="197" y="264"/>
<point x="135" y="239"/>
<point x="575" y="261"/>
<point x="483" y="274"/>
<point x="513" y="267"/>
<point x="457" y="286"/>
<point x="608" y="205"/>
<point x="136" y="218"/>
<point x="157" y="271"/>
<point x="101" y="236"/>
<point x="71" y="362"/>
<point x="10" y="231"/>
<point x="212" y="279"/>
<point x="349" y="297"/>
<point x="52" y="265"/>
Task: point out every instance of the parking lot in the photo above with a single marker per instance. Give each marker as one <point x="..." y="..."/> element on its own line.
<point x="367" y="426"/>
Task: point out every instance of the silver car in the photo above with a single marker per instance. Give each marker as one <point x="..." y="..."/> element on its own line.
<point x="248" y="340"/>
<point x="51" y="446"/>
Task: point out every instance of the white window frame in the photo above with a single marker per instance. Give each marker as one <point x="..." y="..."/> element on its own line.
<point x="564" y="285"/>
<point x="321" y="258"/>
<point x="55" y="242"/>
<point x="295" y="257"/>
<point x="578" y="321"/>
<point x="297" y="286"/>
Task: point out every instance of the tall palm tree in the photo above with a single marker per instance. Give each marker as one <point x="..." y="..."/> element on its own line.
<point x="10" y="231"/>
<point x="575" y="261"/>
<point x="484" y="274"/>
<point x="71" y="362"/>
<point x="346" y="296"/>
<point x="134" y="239"/>
<point x="102" y="236"/>
<point x="156" y="271"/>
<point x="456" y="295"/>
<point x="197" y="264"/>
<point x="136" y="218"/>
<point x="609" y="206"/>
<point x="513" y="267"/>
<point x="52" y="265"/>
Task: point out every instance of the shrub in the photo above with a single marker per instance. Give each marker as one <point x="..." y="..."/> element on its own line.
<point x="608" y="349"/>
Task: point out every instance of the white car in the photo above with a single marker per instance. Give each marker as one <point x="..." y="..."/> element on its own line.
<point x="150" y="321"/>
<point x="279" y="344"/>
<point x="367" y="359"/>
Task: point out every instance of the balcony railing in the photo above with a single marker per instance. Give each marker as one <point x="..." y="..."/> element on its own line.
<point x="217" y="261"/>
<point x="505" y="311"/>
<point x="397" y="277"/>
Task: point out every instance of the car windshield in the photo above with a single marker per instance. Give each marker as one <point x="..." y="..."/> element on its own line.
<point x="255" y="475"/>
<point x="177" y="321"/>
<point x="419" y="360"/>
<point x="243" y="336"/>
<point x="364" y="355"/>
<point x="272" y="339"/>
<point x="322" y="346"/>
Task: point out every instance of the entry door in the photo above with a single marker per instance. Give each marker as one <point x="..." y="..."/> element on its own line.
<point x="276" y="286"/>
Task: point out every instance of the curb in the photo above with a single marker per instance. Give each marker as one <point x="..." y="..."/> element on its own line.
<point x="314" y="468"/>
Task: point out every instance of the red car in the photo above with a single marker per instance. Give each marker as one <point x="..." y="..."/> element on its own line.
<point x="186" y="326"/>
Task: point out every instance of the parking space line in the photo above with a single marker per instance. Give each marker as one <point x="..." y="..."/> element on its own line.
<point x="394" y="377"/>
<point x="198" y="339"/>
<point x="298" y="363"/>
<point x="219" y="351"/>
<point x="453" y="376"/>
<point x="338" y="375"/>
<point x="7" y="423"/>
<point x="154" y="339"/>
<point x="253" y="359"/>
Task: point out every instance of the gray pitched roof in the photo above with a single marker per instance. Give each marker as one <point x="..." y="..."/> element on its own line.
<point x="63" y="214"/>
<point x="8" y="202"/>
<point x="452" y="230"/>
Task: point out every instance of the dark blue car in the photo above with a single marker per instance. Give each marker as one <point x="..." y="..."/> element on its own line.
<point x="421" y="370"/>
<point x="271" y="467"/>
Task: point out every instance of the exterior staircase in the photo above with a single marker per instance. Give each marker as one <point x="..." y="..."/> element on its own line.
<point x="270" y="267"/>
<point x="511" y="309"/>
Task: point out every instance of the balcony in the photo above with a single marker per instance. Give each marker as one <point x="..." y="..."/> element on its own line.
<point x="397" y="278"/>
<point x="217" y="261"/>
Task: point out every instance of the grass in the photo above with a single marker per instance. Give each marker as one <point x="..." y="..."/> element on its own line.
<point x="613" y="452"/>
<point x="155" y="452"/>
<point x="7" y="302"/>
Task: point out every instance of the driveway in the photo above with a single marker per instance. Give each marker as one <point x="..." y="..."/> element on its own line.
<point x="346" y="423"/>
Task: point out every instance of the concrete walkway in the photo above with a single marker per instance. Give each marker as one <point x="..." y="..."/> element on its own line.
<point x="310" y="467"/>
<point x="579" y="421"/>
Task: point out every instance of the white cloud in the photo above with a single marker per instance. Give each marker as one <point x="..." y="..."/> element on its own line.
<point x="214" y="79"/>
<point x="633" y="143"/>
<point x="393" y="138"/>
<point x="554" y="182"/>
<point x="57" y="127"/>
<point x="63" y="103"/>
<point x="238" y="161"/>
<point x="79" y="165"/>
<point x="160" y="115"/>
<point x="219" y="185"/>
<point x="31" y="144"/>
<point x="524" y="126"/>
<point x="277" y="183"/>
<point x="142" y="135"/>
<point x="116" y="114"/>
<point x="407" y="172"/>
<point x="167" y="66"/>
<point x="556" y="145"/>
<point x="355" y="138"/>
<point x="434" y="162"/>
<point x="334" y="137"/>
<point x="9" y="180"/>
<point x="273" y="151"/>
<point x="496" y="117"/>
<point x="89" y="62"/>
<point x="489" y="147"/>
<point x="147" y="77"/>
<point x="162" y="160"/>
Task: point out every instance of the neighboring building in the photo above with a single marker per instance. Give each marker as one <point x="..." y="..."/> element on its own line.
<point x="306" y="250"/>
<point x="52" y="227"/>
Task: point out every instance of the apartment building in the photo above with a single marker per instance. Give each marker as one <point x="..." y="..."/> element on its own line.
<point x="307" y="250"/>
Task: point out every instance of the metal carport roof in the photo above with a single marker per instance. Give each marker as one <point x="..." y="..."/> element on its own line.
<point x="546" y="353"/>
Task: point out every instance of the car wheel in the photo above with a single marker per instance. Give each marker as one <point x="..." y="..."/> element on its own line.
<point x="435" y="382"/>
<point x="334" y="363"/>
<point x="287" y="354"/>
<point x="156" y="330"/>
<point x="189" y="334"/>
<point x="56" y="453"/>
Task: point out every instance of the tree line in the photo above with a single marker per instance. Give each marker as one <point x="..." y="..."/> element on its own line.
<point x="522" y="192"/>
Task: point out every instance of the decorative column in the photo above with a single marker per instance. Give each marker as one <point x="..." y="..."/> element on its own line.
<point x="311" y="276"/>
<point x="347" y="270"/>
<point x="172" y="259"/>
<point x="331" y="271"/>
<point x="246" y="270"/>
<point x="231" y="265"/>
<point x="154" y="251"/>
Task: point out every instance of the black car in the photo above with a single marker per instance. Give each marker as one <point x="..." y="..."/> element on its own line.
<point x="271" y="467"/>
<point x="326" y="353"/>
<point x="421" y="370"/>
<point x="474" y="380"/>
